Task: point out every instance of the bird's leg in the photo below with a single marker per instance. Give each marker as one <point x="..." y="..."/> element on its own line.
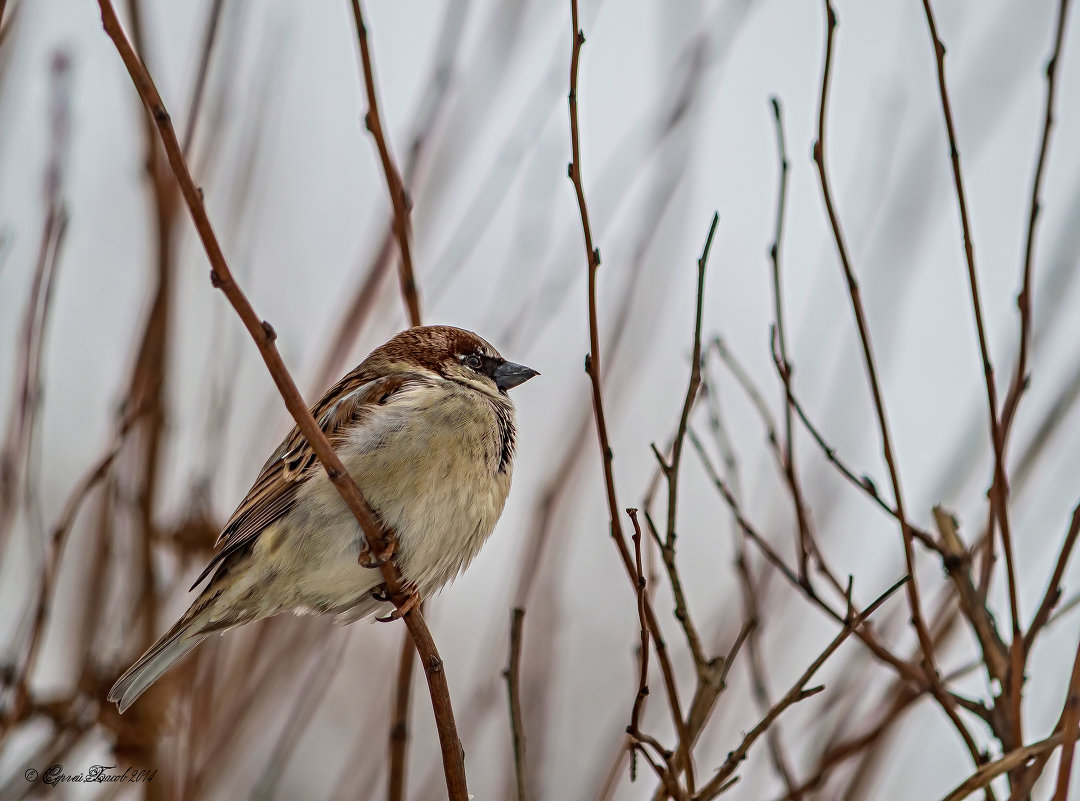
<point x="375" y="561"/>
<point x="404" y="601"/>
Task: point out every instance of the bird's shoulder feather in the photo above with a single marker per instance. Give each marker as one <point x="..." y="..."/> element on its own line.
<point x="346" y="405"/>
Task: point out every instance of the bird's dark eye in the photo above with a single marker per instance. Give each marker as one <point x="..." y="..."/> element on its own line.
<point x="473" y="361"/>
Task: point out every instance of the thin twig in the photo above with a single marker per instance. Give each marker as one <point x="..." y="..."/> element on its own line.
<point x="594" y="370"/>
<point x="994" y="651"/>
<point x="751" y="590"/>
<point x="990" y="771"/>
<point x="918" y="621"/>
<point x="411" y="297"/>
<point x="399" y="725"/>
<point x="861" y="483"/>
<point x="1053" y="587"/>
<point x="634" y="729"/>
<point x="788" y="460"/>
<point x="264" y="336"/>
<point x="1070" y="729"/>
<point x="1023" y="301"/>
<point x="999" y="490"/>
<point x="512" y="674"/>
<point x="670" y="469"/>
<point x="398" y="197"/>
<point x="798" y="692"/>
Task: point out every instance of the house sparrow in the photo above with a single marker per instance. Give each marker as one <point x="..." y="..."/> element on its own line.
<point x="425" y="427"/>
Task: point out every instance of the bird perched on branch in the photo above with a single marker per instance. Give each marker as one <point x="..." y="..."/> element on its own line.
<point x="425" y="427"/>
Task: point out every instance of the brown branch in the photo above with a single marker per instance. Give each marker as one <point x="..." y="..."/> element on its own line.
<point x="593" y="368"/>
<point x="798" y="692"/>
<point x="512" y="674"/>
<point x="665" y="773"/>
<point x="398" y="197"/>
<point x="634" y="729"/>
<point x="264" y="336"/>
<point x="399" y="725"/>
<point x="906" y="670"/>
<point x="990" y="771"/>
<point x="788" y="460"/>
<point x="751" y="590"/>
<point x="1053" y="588"/>
<point x="410" y="295"/>
<point x="862" y="484"/>
<point x="918" y="621"/>
<point x="1070" y="729"/>
<point x="999" y="489"/>
<point x="955" y="557"/>
<point x="1023" y="301"/>
<point x="864" y="334"/>
<point x="422" y="134"/>
<point x="670" y="470"/>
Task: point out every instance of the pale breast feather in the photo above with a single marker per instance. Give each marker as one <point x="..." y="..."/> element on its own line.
<point x="294" y="462"/>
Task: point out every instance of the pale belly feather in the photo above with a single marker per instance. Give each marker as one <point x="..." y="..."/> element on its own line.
<point x="429" y="466"/>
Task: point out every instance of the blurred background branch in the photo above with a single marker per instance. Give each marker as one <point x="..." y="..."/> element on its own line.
<point x="133" y="410"/>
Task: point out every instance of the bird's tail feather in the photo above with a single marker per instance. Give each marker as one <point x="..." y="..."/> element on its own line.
<point x="150" y="667"/>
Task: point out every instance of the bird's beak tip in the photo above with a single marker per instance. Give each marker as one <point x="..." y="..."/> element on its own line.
<point x="509" y="375"/>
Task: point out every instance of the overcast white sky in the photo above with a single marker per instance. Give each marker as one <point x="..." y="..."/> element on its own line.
<point x="498" y="250"/>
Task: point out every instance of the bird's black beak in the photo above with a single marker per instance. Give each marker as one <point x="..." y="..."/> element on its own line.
<point x="508" y="375"/>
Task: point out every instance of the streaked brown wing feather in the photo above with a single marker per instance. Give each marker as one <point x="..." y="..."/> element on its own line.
<point x="294" y="462"/>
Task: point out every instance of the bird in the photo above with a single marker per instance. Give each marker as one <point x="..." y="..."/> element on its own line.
<point x="425" y="427"/>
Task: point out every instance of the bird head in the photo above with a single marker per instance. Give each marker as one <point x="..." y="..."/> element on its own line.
<point x="455" y="355"/>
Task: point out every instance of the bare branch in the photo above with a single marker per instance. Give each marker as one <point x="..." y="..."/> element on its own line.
<point x="798" y="692"/>
<point x="1070" y="730"/>
<point x="987" y="773"/>
<point x="399" y="724"/>
<point x="1023" y="301"/>
<point x="512" y="674"/>
<point x="264" y="336"/>
<point x="398" y="197"/>
<point x="593" y="368"/>
<point x="1053" y="588"/>
<point x="918" y="621"/>
<point x="999" y="490"/>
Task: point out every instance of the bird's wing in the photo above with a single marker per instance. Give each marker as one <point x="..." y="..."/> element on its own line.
<point x="294" y="462"/>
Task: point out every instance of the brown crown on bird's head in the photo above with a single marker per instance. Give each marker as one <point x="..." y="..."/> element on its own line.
<point x="453" y="354"/>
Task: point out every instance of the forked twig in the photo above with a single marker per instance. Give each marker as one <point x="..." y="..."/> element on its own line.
<point x="593" y="368"/>
<point x="999" y="490"/>
<point x="798" y="692"/>
<point x="918" y="620"/>
<point x="670" y="469"/>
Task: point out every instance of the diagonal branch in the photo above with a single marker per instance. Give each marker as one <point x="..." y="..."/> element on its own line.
<point x="1053" y="588"/>
<point x="263" y="333"/>
<point x="798" y="692"/>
